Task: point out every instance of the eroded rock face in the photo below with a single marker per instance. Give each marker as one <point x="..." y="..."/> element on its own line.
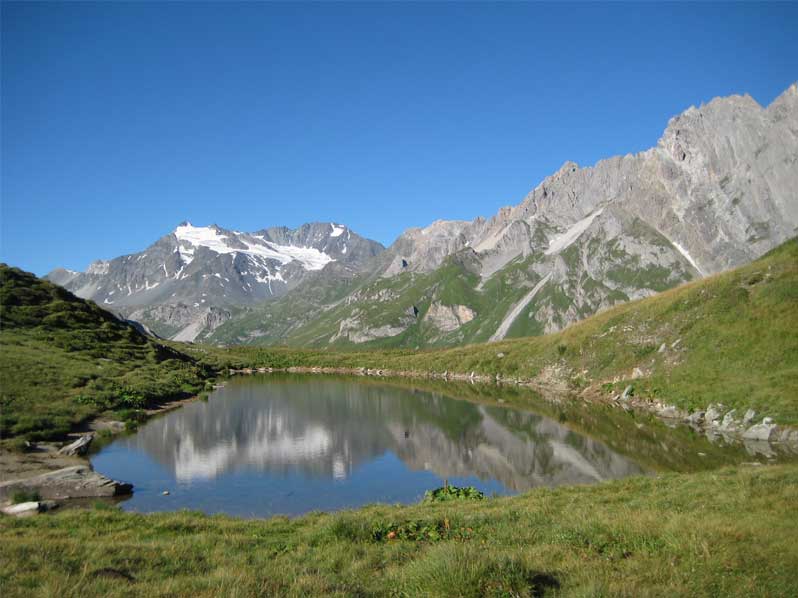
<point x="79" y="481"/>
<point x="719" y="187"/>
<point x="449" y="317"/>
<point x="353" y="330"/>
<point x="716" y="192"/>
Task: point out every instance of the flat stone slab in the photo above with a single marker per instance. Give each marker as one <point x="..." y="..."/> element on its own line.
<point x="80" y="481"/>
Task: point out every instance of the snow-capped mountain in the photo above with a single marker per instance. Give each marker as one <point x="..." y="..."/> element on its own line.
<point x="188" y="281"/>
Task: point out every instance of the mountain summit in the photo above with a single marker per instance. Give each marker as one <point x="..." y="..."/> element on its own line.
<point x="187" y="282"/>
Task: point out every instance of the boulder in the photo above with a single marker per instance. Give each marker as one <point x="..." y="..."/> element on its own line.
<point x="79" y="447"/>
<point x="29" y="508"/>
<point x="627" y="392"/>
<point x="23" y="508"/>
<point x="763" y="431"/>
<point x="79" y="481"/>
<point x="449" y="317"/>
<point x="788" y="437"/>
<point x="730" y="423"/>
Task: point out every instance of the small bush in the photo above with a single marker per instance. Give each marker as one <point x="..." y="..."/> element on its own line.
<point x="447" y="493"/>
<point x="21" y="496"/>
<point x="17" y="445"/>
<point x="418" y="530"/>
<point x="40" y="427"/>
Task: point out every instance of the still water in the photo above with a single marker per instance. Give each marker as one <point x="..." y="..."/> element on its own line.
<point x="292" y="444"/>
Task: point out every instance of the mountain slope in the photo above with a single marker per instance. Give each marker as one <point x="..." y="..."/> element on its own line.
<point x="717" y="191"/>
<point x="64" y="359"/>
<point x="731" y="338"/>
<point x="194" y="278"/>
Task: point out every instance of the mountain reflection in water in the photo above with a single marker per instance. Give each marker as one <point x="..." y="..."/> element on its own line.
<point x="319" y="429"/>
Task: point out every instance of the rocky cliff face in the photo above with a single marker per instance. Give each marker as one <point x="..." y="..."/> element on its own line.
<point x="718" y="190"/>
<point x="719" y="186"/>
<point x="186" y="283"/>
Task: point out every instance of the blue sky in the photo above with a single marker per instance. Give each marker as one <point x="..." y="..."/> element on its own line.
<point x="121" y="120"/>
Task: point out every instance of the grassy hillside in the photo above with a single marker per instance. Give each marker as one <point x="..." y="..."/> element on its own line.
<point x="63" y="360"/>
<point x="722" y="533"/>
<point x="731" y="338"/>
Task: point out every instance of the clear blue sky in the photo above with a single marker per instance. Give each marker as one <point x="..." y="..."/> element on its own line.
<point x="121" y="120"/>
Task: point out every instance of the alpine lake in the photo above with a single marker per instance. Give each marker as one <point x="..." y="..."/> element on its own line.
<point x="289" y="444"/>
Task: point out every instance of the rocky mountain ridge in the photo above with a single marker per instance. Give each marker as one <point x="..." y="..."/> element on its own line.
<point x="718" y="190"/>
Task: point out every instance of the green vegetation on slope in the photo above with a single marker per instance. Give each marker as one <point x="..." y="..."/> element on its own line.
<point x="731" y="338"/>
<point x="63" y="360"/>
<point x="722" y="533"/>
<point x="394" y="312"/>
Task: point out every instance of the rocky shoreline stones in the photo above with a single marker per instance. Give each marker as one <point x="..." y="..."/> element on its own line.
<point x="717" y="419"/>
<point x="79" y="481"/>
<point x="29" y="508"/>
<point x="79" y="447"/>
<point x="763" y="431"/>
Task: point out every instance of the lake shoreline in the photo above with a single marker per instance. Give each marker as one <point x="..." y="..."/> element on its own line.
<point x="551" y="388"/>
<point x="45" y="457"/>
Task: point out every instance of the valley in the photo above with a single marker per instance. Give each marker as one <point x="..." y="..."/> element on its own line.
<point x="592" y="392"/>
<point x="73" y="364"/>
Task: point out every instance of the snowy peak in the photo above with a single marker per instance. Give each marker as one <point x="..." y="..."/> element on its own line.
<point x="220" y="241"/>
<point x="186" y="282"/>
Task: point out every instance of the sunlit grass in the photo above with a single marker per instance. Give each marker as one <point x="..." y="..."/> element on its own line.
<point x="723" y="533"/>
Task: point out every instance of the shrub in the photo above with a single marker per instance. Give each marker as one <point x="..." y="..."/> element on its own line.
<point x="447" y="493"/>
<point x="25" y="496"/>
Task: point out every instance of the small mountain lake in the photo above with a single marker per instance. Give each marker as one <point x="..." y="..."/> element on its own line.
<point x="289" y="444"/>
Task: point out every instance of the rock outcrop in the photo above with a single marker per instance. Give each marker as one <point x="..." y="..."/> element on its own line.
<point x="449" y="317"/>
<point x="79" y="447"/>
<point x="79" y="481"/>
